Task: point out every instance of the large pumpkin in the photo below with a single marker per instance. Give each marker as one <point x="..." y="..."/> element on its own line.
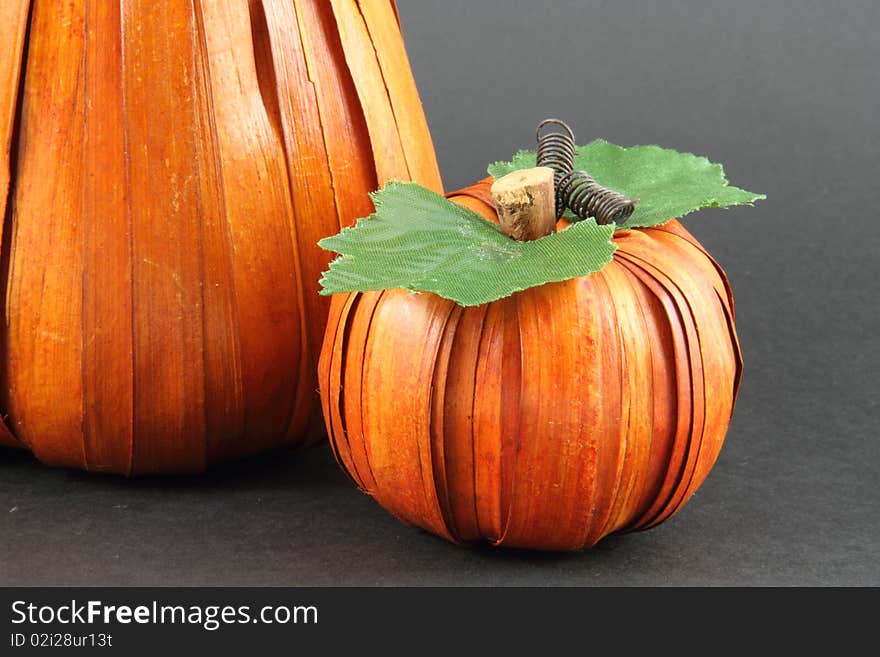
<point x="548" y="419"/>
<point x="170" y="167"/>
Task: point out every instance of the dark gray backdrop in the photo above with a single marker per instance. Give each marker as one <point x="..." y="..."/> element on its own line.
<point x="785" y="94"/>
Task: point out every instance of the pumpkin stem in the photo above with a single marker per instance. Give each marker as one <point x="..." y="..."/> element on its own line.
<point x="526" y="203"/>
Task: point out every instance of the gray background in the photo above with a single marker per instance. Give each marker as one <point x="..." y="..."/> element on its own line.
<point x="785" y="94"/>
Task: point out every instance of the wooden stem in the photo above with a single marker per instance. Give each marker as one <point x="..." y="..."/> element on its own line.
<point x="526" y="203"/>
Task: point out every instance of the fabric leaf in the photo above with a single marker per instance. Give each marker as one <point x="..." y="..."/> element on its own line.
<point x="666" y="183"/>
<point x="418" y="240"/>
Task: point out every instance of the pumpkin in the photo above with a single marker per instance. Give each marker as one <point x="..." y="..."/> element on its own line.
<point x="548" y="419"/>
<point x="165" y="172"/>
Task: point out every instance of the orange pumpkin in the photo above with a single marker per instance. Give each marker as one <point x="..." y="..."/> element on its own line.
<point x="170" y="167"/>
<point x="548" y="419"/>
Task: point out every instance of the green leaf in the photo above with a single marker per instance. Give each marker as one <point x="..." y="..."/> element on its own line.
<point x="666" y="183"/>
<point x="417" y="240"/>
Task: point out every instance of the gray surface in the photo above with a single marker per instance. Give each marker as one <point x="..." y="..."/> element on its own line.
<point x="785" y="94"/>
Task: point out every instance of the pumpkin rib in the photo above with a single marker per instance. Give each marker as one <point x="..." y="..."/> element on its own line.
<point x="15" y="26"/>
<point x="129" y="225"/>
<point x="40" y="332"/>
<point x="458" y="424"/>
<point x="502" y="365"/>
<point x="220" y="302"/>
<point x="516" y="523"/>
<point x="609" y="400"/>
<point x="716" y="422"/>
<point x="169" y="383"/>
<point x="438" y="406"/>
<point x="361" y="324"/>
<point x="326" y="363"/>
<point x="302" y="409"/>
<point x="697" y="388"/>
<point x="335" y="425"/>
<point x="512" y="376"/>
<point x="683" y="413"/>
<point x="497" y="402"/>
<point x="663" y="407"/>
<point x="363" y="65"/>
<point x="486" y="421"/>
<point x="637" y="371"/>
<point x="309" y="187"/>
<point x="379" y="469"/>
<point x="272" y="72"/>
<point x="426" y="449"/>
<point x="83" y="101"/>
<point x="418" y="149"/>
<point x="737" y="352"/>
<point x="400" y="460"/>
<point x="265" y="68"/>
<point x="697" y="382"/>
<point x="603" y="407"/>
<point x="479" y="494"/>
<point x="700" y="295"/>
<point x="719" y="361"/>
<point x="107" y="338"/>
<point x="623" y="438"/>
<point x="475" y="531"/>
<point x="349" y="154"/>
<point x="549" y="475"/>
<point x="339" y="358"/>
<point x="692" y="252"/>
<point x="674" y="227"/>
<point x="479" y="192"/>
<point x="724" y="293"/>
<point x="15" y="18"/>
<point x="699" y="422"/>
<point x="252" y="168"/>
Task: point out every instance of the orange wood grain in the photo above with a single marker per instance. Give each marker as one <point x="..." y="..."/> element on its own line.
<point x="108" y="392"/>
<point x="437" y="427"/>
<point x="458" y="427"/>
<point x="14" y="16"/>
<point x="381" y="22"/>
<point x="401" y="464"/>
<point x="636" y="424"/>
<point x="553" y="418"/>
<point x="672" y="439"/>
<point x="389" y="150"/>
<point x="340" y="305"/>
<point x="170" y="168"/>
<point x="285" y="78"/>
<point x="44" y="314"/>
<point x="488" y="421"/>
<point x="339" y="360"/>
<point x="359" y="330"/>
<point x="166" y="298"/>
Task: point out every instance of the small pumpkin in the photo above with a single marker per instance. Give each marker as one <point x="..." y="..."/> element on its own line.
<point x="548" y="419"/>
<point x="166" y="169"/>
